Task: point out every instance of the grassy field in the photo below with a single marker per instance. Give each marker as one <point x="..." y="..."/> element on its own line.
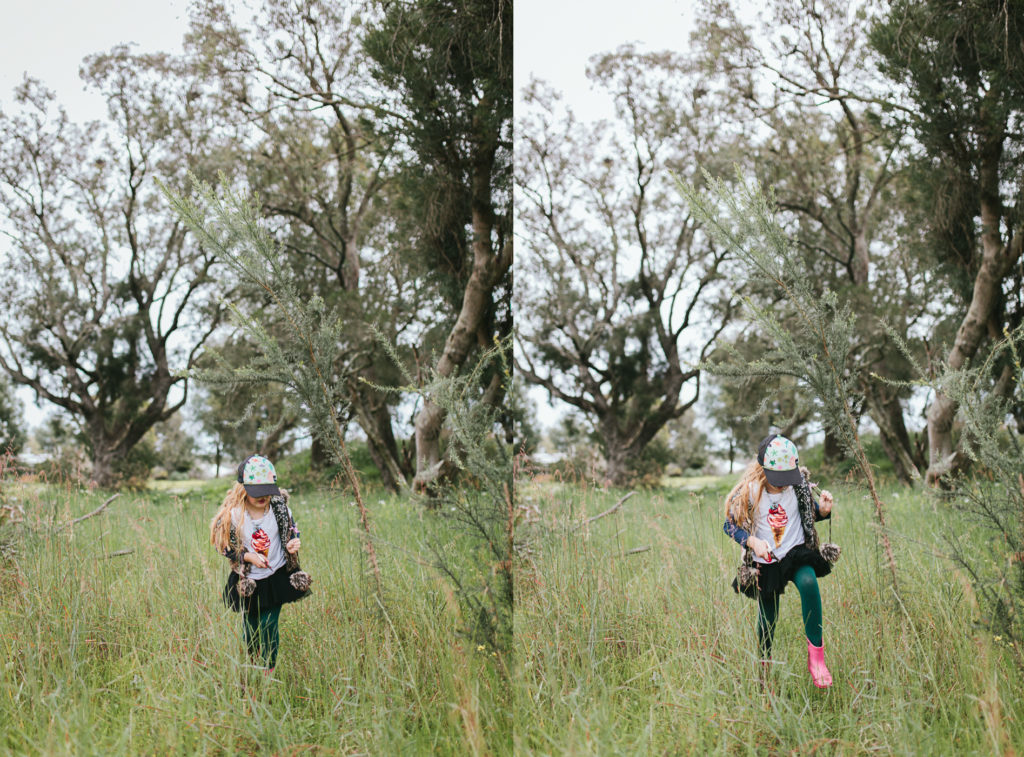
<point x="651" y="652"/>
<point x="135" y="654"/>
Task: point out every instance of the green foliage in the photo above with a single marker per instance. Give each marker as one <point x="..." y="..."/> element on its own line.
<point x="12" y="434"/>
<point x="173" y="447"/>
<point x="236" y="420"/>
<point x="960" y="67"/>
<point x="474" y="511"/>
<point x="745" y="407"/>
<point x="320" y="154"/>
<point x="846" y="469"/>
<point x="679" y="446"/>
<point x="297" y="361"/>
<point x="297" y="468"/>
<point x="132" y="471"/>
<point x="621" y="293"/>
<point x="107" y="297"/>
<point x="813" y="343"/>
<point x="992" y="498"/>
<point x="447" y="68"/>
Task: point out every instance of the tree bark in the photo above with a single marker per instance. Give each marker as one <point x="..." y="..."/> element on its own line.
<point x="374" y="417"/>
<point x="102" y="465"/>
<point x="617" y="459"/>
<point x="887" y="413"/>
<point x="319" y="454"/>
<point x="996" y="262"/>
<point x="488" y="270"/>
<point x="832" y="452"/>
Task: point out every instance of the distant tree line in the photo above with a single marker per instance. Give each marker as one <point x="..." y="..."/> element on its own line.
<point x="891" y="138"/>
<point x="377" y="138"/>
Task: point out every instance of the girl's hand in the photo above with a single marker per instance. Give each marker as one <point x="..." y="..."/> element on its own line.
<point x="257" y="559"/>
<point x="759" y="547"/>
<point x="293" y="546"/>
<point x="826" y="502"/>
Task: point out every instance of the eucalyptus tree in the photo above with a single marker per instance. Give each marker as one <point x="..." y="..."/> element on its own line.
<point x="107" y="296"/>
<point x="296" y="76"/>
<point x="619" y="293"/>
<point x="838" y="171"/>
<point x="961" y="67"/>
<point x="236" y="420"/>
<point x="444" y="68"/>
<point x="12" y="432"/>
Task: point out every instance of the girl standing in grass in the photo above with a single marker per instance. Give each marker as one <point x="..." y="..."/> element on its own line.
<point x="771" y="514"/>
<point x="255" y="530"/>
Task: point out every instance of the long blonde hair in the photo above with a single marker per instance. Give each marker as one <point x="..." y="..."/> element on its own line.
<point x="738" y="505"/>
<point x="220" y="526"/>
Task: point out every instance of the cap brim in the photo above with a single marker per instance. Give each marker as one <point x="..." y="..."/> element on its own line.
<point x="783" y="477"/>
<point x="261" y="490"/>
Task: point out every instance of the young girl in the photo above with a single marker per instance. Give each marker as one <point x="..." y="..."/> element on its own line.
<point x="255" y="530"/>
<point x="771" y="513"/>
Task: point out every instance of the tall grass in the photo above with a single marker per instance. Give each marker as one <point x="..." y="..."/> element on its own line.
<point x="653" y="653"/>
<point x="135" y="654"/>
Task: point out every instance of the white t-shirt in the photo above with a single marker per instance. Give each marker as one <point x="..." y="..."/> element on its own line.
<point x="274" y="553"/>
<point x="778" y="522"/>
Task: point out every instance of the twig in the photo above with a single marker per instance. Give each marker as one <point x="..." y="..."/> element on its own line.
<point x="609" y="511"/>
<point x="118" y="553"/>
<point x="97" y="511"/>
<point x="636" y="550"/>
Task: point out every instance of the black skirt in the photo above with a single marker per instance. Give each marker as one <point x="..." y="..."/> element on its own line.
<point x="773" y="577"/>
<point x="272" y="591"/>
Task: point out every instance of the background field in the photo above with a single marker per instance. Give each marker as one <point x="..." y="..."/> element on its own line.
<point x="653" y="653"/>
<point x="135" y="654"/>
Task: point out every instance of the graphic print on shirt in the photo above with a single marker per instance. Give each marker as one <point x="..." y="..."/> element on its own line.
<point x="777" y="522"/>
<point x="260" y="541"/>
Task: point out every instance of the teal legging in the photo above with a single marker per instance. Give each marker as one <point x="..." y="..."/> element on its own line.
<point x="810" y="602"/>
<point x="261" y="636"/>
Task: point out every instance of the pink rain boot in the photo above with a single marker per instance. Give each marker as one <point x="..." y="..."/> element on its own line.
<point x="816" y="664"/>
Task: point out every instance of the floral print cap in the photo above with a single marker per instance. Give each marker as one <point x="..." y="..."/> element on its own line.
<point x="779" y="458"/>
<point x="257" y="475"/>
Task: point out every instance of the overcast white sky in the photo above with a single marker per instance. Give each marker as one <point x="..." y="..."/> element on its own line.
<point x="48" y="39"/>
<point x="555" y="39"/>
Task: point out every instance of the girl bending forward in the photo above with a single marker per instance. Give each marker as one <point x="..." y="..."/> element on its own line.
<point x="255" y="530"/>
<point x="771" y="513"/>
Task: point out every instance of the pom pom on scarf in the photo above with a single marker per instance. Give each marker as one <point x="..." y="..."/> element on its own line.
<point x="300" y="580"/>
<point x="747" y="576"/>
<point x="830" y="552"/>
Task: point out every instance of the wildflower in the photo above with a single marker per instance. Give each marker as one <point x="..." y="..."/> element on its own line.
<point x="480" y="648"/>
<point x="998" y="638"/>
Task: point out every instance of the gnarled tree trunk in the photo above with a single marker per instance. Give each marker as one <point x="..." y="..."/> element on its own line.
<point x="996" y="262"/>
<point x="477" y="302"/>
<point x="374" y="418"/>
<point x="887" y="413"/>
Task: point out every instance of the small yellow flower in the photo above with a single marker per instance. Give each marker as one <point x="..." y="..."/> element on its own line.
<point x="494" y="654"/>
<point x="999" y="638"/>
<point x="480" y="648"/>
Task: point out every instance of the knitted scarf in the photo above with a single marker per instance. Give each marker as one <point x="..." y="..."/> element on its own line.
<point x="287" y="531"/>
<point x="747" y="575"/>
